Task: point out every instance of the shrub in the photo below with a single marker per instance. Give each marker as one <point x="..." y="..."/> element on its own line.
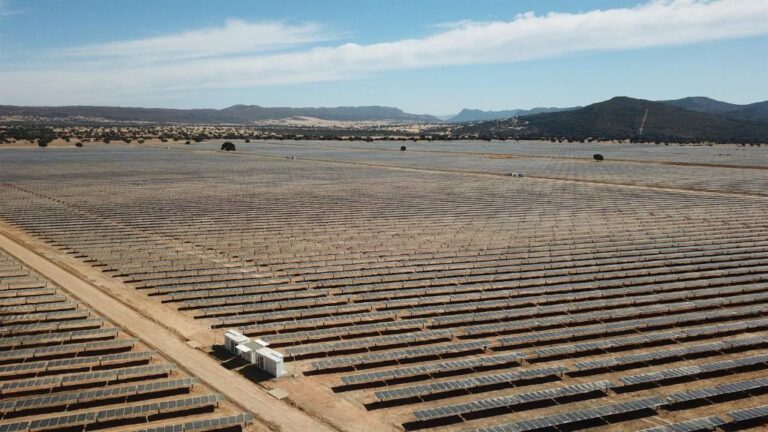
<point x="403" y="148"/>
<point x="78" y="144"/>
<point x="228" y="146"/>
<point x="598" y="157"/>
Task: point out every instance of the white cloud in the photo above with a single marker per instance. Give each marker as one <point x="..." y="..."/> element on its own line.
<point x="528" y="36"/>
<point x="235" y="37"/>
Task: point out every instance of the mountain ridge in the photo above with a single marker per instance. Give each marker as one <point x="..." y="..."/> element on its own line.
<point x="472" y="115"/>
<point x="757" y="111"/>
<point x="627" y="118"/>
<point x="235" y="114"/>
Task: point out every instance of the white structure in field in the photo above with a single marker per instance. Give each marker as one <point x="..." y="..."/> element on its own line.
<point x="254" y="352"/>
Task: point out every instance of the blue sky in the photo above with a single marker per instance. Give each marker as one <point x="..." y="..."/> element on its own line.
<point x="425" y="56"/>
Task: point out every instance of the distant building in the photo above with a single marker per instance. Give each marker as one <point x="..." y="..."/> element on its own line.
<point x="255" y="352"/>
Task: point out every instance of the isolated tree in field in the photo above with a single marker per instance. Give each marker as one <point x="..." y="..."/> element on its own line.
<point x="228" y="146"/>
<point x="43" y="141"/>
<point x="598" y="157"/>
<point x="403" y="148"/>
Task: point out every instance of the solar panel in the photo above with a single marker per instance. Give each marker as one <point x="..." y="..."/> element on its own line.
<point x="566" y="418"/>
<point x="750" y="414"/>
<point x="367" y="359"/>
<point x="206" y="424"/>
<point x="70" y="379"/>
<point x="657" y="376"/>
<point x="23" y="341"/>
<point x="430" y="368"/>
<point x="510" y="401"/>
<point x="51" y="351"/>
<point x="719" y="390"/>
<point x="367" y="342"/>
<point x="337" y="331"/>
<point x="669" y="353"/>
<point x="468" y="383"/>
<point x="79" y="397"/>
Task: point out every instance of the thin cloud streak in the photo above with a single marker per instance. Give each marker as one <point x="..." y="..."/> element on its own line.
<point x="235" y="37"/>
<point x="527" y="37"/>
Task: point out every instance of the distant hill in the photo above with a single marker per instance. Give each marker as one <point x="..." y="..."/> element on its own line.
<point x="756" y="111"/>
<point x="622" y="117"/>
<point x="237" y="114"/>
<point x="474" y="115"/>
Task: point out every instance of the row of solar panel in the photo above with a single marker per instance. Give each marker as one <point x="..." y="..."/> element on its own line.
<point x="600" y="329"/>
<point x="220" y="289"/>
<point x="437" y="271"/>
<point x="217" y="423"/>
<point x="468" y="273"/>
<point x="66" y="350"/>
<point x="56" y="381"/>
<point x="506" y="314"/>
<point x="636" y="324"/>
<point x="302" y="336"/>
<point x="62" y="337"/>
<point x="316" y="322"/>
<point x="391" y="374"/>
<point x="469" y="383"/>
<point x="432" y="368"/>
<point x="528" y="324"/>
<point x="526" y="374"/>
<point x="368" y="343"/>
<point x="691" y="371"/>
<point x="722" y="277"/>
<point x="606" y="288"/>
<point x="511" y="401"/>
<point x="424" y="258"/>
<point x="126" y="412"/>
<point x="710" y="423"/>
<point x="276" y="301"/>
<point x="739" y="389"/>
<point x="45" y="316"/>
<point x="291" y="314"/>
<point x="32" y="290"/>
<point x="76" y="362"/>
<point x="656" y="355"/>
<point x="513" y="280"/>
<point x="51" y="326"/>
<point x="554" y="267"/>
<point x="51" y="305"/>
<point x="64" y="400"/>
<point x="553" y="351"/>
<point x="563" y="419"/>
<point x="410" y="353"/>
<point x="332" y="332"/>
<point x="33" y="298"/>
